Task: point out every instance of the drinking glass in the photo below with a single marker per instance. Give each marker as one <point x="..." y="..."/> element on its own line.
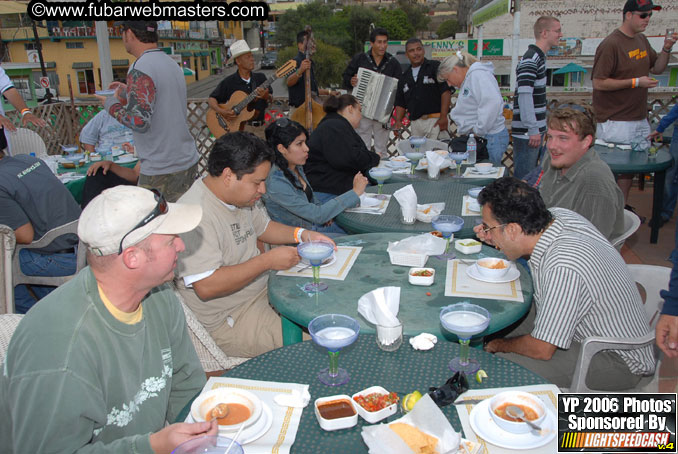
<point x="447" y="224"/>
<point x="464" y="320"/>
<point x="315" y="252"/>
<point x="458" y="158"/>
<point x="380" y="174"/>
<point x="334" y="332"/>
<point x="414" y="157"/>
<point x="208" y="444"/>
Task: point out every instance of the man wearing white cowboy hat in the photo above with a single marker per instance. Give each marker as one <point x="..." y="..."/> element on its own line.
<point x="242" y="80"/>
<point x="109" y="350"/>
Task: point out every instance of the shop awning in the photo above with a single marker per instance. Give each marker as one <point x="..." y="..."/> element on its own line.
<point x="188" y="71"/>
<point x="570" y="68"/>
<point x="122" y="62"/>
<point x="83" y="65"/>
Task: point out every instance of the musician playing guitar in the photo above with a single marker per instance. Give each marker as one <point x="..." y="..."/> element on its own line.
<point x="242" y="80"/>
<point x="295" y="82"/>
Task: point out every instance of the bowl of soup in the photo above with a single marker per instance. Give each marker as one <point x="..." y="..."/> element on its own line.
<point x="231" y="407"/>
<point x="493" y="268"/>
<point x="532" y="406"/>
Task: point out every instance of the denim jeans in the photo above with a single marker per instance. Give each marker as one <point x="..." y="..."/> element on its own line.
<point x="525" y="157"/>
<point x="496" y="146"/>
<point x="34" y="264"/>
<point x="671" y="182"/>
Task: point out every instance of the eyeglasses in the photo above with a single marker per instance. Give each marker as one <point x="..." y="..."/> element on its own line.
<point x="487" y="229"/>
<point x="643" y="15"/>
<point x="160" y="208"/>
<point x="282" y="122"/>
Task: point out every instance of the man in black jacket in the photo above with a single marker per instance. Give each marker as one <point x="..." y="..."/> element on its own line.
<point x="376" y="59"/>
<point x="420" y="94"/>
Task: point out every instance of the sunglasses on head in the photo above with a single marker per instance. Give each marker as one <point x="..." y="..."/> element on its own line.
<point x="282" y="122"/>
<point x="160" y="208"/>
<point x="644" y="15"/>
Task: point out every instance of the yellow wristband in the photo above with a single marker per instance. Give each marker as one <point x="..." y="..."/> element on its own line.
<point x="297" y="234"/>
<point x="25" y="111"/>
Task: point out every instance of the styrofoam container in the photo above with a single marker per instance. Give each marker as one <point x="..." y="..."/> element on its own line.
<point x="521" y="398"/>
<point x="421" y="280"/>
<point x="374" y="416"/>
<point x="466" y="246"/>
<point x="338" y="423"/>
<point x="206" y="401"/>
<point x="484" y="167"/>
<point x="406" y="259"/>
<point x="484" y="269"/>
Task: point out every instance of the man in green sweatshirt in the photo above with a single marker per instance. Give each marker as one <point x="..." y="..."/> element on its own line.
<point x="101" y="363"/>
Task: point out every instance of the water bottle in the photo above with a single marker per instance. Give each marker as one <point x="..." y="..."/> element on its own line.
<point x="471" y="148"/>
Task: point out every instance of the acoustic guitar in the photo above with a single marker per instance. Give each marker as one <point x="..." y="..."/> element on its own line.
<point x="310" y="112"/>
<point x="218" y="125"/>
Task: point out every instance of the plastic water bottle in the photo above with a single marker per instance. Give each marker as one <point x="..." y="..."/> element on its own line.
<point x="471" y="148"/>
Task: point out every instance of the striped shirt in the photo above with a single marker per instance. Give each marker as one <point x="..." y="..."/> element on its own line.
<point x="582" y="288"/>
<point x="531" y="79"/>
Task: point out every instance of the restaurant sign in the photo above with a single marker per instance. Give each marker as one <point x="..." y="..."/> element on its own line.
<point x="490" y="47"/>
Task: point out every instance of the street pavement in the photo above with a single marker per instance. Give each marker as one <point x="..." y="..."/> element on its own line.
<point x="203" y="87"/>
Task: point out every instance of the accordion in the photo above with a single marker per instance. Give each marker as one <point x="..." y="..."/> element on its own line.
<point x="376" y="93"/>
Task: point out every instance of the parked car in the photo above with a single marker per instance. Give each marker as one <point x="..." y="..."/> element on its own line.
<point x="269" y="59"/>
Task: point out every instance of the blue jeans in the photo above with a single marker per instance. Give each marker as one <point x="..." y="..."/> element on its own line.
<point x="525" y="157"/>
<point x="34" y="264"/>
<point x="671" y="182"/>
<point x="496" y="146"/>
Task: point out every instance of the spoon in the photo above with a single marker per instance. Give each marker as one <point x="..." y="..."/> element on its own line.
<point x="234" y="438"/>
<point x="516" y="412"/>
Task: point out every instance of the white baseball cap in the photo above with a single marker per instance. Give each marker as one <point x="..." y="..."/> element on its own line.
<point x="117" y="212"/>
<point x="239" y="48"/>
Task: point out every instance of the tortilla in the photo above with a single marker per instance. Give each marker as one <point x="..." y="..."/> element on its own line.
<point x="418" y="441"/>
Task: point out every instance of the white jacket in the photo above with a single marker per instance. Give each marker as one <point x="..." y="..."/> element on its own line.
<point x="479" y="107"/>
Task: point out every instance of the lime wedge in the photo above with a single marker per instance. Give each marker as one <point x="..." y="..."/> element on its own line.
<point x="480" y="375"/>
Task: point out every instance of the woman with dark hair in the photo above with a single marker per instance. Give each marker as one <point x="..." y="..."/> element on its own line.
<point x="289" y="198"/>
<point x="337" y="152"/>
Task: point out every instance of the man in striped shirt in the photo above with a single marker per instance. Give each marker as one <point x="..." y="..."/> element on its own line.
<point x="582" y="288"/>
<point x="529" y="103"/>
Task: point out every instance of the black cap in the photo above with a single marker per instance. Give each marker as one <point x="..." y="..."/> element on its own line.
<point x="640" y="5"/>
<point x="139" y="25"/>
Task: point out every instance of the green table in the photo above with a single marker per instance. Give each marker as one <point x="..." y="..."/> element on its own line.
<point x="444" y="175"/>
<point x="372" y="269"/>
<point x="633" y="162"/>
<point x="402" y="371"/>
<point x="76" y="186"/>
<point x="450" y="191"/>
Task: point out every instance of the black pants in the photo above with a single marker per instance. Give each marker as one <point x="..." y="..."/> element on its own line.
<point x="97" y="183"/>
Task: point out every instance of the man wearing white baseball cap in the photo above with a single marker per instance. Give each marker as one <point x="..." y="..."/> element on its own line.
<point x="104" y="360"/>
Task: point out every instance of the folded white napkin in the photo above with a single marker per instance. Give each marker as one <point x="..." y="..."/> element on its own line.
<point x="424" y="341"/>
<point x="380" y="306"/>
<point x="435" y="163"/>
<point x="426" y="212"/>
<point x="407" y="199"/>
<point x="296" y="399"/>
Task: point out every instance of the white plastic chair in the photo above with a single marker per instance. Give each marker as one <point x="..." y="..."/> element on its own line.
<point x="404" y="146"/>
<point x="631" y="224"/>
<point x="652" y="279"/>
<point x="8" y="323"/>
<point x="7" y="242"/>
<point x="26" y="141"/>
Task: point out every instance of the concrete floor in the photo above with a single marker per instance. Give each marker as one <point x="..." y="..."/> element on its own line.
<point x="637" y="249"/>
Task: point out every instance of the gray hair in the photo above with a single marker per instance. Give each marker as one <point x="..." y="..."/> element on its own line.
<point x="460" y="59"/>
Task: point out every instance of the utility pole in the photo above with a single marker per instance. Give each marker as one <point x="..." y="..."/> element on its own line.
<point x="101" y="28"/>
<point x="38" y="46"/>
<point x="515" y="44"/>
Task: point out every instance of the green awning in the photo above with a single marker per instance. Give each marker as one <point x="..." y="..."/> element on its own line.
<point x="570" y="68"/>
<point x="186" y="53"/>
<point x="202" y="53"/>
<point x="83" y="65"/>
<point x="50" y="64"/>
<point x="123" y="62"/>
<point x="188" y="71"/>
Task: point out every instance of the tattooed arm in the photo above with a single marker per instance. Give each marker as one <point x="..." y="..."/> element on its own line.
<point x="136" y="114"/>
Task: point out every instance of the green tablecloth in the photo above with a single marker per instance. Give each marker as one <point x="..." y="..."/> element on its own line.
<point x="372" y="269"/>
<point x="402" y="371"/>
<point x="76" y="186"/>
<point x="450" y="191"/>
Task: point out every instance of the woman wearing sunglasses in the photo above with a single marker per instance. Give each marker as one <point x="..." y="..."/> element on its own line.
<point x="479" y="108"/>
<point x="337" y="152"/>
<point x="289" y="198"/>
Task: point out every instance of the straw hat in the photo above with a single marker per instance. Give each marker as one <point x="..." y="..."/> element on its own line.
<point x="239" y="48"/>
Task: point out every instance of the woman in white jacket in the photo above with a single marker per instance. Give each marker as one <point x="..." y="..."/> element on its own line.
<point x="479" y="105"/>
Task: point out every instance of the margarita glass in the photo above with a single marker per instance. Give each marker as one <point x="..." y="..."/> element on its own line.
<point x="334" y="332"/>
<point x="414" y="157"/>
<point x="315" y="252"/>
<point x="380" y="174"/>
<point x="447" y="224"/>
<point x="458" y="158"/>
<point x="465" y="320"/>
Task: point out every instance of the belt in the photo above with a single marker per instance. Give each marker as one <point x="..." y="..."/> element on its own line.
<point x="427" y="116"/>
<point x="255" y="123"/>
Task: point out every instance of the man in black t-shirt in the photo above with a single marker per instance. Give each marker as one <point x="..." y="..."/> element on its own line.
<point x="242" y="80"/>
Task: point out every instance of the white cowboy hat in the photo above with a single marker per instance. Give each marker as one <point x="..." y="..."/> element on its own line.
<point x="239" y="48"/>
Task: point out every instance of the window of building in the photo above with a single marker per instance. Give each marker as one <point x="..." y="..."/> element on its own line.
<point x="22" y="85"/>
<point x="30" y="46"/>
<point x="86" y="81"/>
<point x="120" y="73"/>
<point x="75" y="45"/>
<point x="203" y="63"/>
<point x="557" y="80"/>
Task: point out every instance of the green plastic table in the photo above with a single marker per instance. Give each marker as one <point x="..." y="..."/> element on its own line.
<point x="402" y="371"/>
<point x="632" y="162"/>
<point x="450" y="191"/>
<point x="76" y="186"/>
<point x="372" y="269"/>
<point x="445" y="174"/>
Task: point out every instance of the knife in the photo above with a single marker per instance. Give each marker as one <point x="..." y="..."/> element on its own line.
<point x="468" y="401"/>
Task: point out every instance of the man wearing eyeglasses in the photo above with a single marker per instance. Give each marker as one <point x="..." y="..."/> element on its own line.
<point x="105" y="360"/>
<point x="582" y="288"/>
<point x="621" y="79"/>
<point x="224" y="277"/>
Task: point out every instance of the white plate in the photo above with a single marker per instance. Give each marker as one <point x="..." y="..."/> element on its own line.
<point x="399" y="159"/>
<point x="397" y="164"/>
<point x="368" y="202"/>
<point x="423" y="164"/>
<point x="126" y="159"/>
<point x="118" y="152"/>
<point x="510" y="276"/>
<point x="256" y="430"/>
<point x="476" y="171"/>
<point x="327" y="262"/>
<point x="485" y="427"/>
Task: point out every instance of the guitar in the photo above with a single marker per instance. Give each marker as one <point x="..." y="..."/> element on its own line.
<point x="310" y="112"/>
<point x="218" y="125"/>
